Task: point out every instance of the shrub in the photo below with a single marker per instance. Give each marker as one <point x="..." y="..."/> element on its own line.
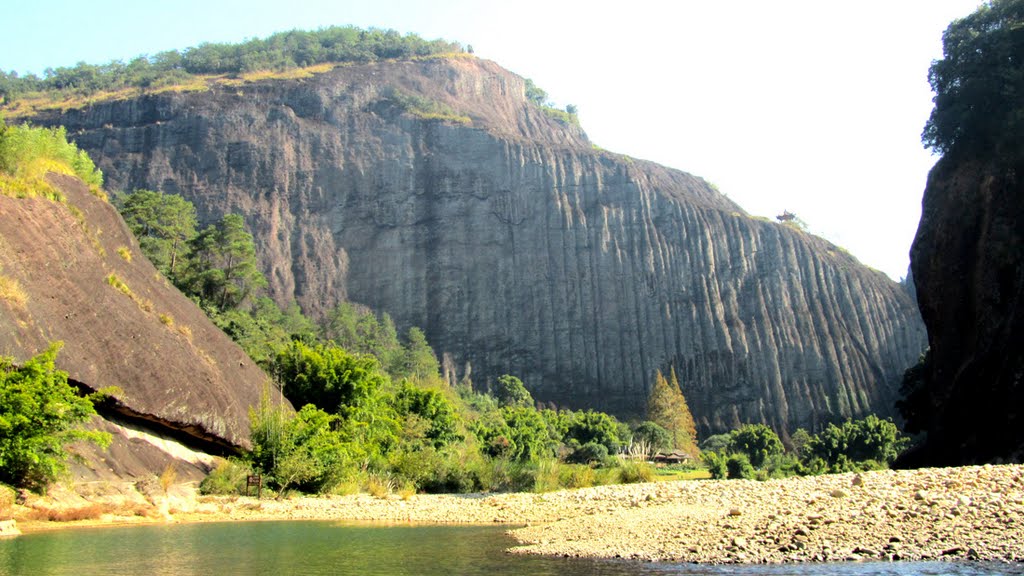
<point x="40" y="413"/>
<point x="589" y="453"/>
<point x="547" y="475"/>
<point x="12" y="291"/>
<point x="739" y="467"/>
<point x="578" y="476"/>
<point x="757" y="441"/>
<point x="380" y="485"/>
<point x="229" y="477"/>
<point x="632" y="472"/>
<point x="716" y="463"/>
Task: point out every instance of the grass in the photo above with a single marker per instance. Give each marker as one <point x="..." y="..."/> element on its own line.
<point x="12" y="291"/>
<point x="89" y="512"/>
<point x="124" y="253"/>
<point x="120" y="286"/>
<point x="167" y="320"/>
<point x="669" y="474"/>
<point x="561" y="116"/>
<point x="379" y="486"/>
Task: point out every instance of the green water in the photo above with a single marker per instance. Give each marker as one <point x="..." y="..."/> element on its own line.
<point x="280" y="548"/>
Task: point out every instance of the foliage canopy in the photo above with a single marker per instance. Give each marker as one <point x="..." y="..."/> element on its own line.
<point x="40" y="413"/>
<point x="979" y="83"/>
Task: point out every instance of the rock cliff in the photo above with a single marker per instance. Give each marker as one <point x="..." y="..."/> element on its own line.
<point x="516" y="245"/>
<point x="968" y="264"/>
<point x="85" y="282"/>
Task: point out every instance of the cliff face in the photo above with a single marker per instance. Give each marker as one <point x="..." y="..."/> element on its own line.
<point x="86" y="283"/>
<point x="968" y="263"/>
<point x="517" y="246"/>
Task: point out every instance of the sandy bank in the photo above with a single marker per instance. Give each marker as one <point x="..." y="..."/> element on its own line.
<point x="955" y="513"/>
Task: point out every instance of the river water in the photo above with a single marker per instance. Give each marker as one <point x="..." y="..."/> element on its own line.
<point x="321" y="548"/>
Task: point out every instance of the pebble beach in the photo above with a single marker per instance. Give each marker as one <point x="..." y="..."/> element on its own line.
<point x="968" y="513"/>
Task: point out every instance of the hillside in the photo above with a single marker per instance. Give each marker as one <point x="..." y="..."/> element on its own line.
<point x="435" y="191"/>
<point x="82" y="279"/>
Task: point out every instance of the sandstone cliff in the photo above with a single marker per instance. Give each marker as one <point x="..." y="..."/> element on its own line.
<point x="86" y="283"/>
<point x="516" y="245"/>
<point x="968" y="264"/>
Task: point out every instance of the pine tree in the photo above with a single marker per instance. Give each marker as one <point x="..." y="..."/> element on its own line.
<point x="689" y="425"/>
<point x="667" y="407"/>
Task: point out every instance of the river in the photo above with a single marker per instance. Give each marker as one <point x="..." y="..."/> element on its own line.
<point x="322" y="548"/>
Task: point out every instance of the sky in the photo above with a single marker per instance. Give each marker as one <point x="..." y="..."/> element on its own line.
<point x="815" y="106"/>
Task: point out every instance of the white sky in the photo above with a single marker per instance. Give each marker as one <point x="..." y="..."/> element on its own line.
<point x="812" y="106"/>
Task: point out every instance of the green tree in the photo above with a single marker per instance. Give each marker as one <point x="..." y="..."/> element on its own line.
<point x="757" y="441"/>
<point x="867" y="441"/>
<point x="593" y="427"/>
<point x="433" y="407"/>
<point x="224" y="271"/>
<point x="535" y="94"/>
<point x="40" y="413"/>
<point x="420" y="361"/>
<point x="717" y="463"/>
<point x="979" y="83"/>
<point x="739" y="467"/>
<point x="357" y="329"/>
<point x="516" y="433"/>
<point x="656" y="437"/>
<point x="327" y="376"/>
<point x="163" y="225"/>
<point x="510" y="391"/>
<point x="300" y="449"/>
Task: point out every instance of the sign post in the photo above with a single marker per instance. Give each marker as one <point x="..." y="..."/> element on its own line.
<point x="257" y="481"/>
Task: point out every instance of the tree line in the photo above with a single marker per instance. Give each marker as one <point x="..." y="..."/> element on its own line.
<point x="281" y="51"/>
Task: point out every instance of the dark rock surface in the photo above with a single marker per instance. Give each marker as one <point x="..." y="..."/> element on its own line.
<point x="179" y="375"/>
<point x="968" y="264"/>
<point x="517" y="246"/>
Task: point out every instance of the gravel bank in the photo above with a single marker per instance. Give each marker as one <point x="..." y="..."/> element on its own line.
<point x="952" y="513"/>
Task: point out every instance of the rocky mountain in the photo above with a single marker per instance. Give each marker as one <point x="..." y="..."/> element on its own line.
<point x="434" y="190"/>
<point x="968" y="263"/>
<point x="182" y="382"/>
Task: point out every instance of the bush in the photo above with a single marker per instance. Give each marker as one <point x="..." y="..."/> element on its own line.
<point x="229" y="477"/>
<point x="40" y="413"/>
<point x="578" y="476"/>
<point x="589" y="453"/>
<point x="739" y="467"/>
<point x="632" y="472"/>
<point x="870" y="442"/>
<point x="716" y="464"/>
<point x="757" y="441"/>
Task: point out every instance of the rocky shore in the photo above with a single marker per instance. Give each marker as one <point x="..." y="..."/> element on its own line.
<point x="929" y="514"/>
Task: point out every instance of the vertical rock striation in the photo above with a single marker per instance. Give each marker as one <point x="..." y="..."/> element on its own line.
<point x="517" y="246"/>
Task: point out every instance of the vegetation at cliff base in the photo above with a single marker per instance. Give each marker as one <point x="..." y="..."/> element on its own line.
<point x="374" y="412"/>
<point x="755" y="450"/>
<point x="979" y="84"/>
<point x="40" y="414"/>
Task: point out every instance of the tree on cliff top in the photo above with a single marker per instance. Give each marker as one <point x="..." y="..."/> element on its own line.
<point x="979" y="83"/>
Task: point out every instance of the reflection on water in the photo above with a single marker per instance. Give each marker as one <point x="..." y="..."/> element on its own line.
<point x="278" y="548"/>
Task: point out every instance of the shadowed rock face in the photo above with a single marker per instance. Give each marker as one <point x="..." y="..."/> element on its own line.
<point x="517" y="246"/>
<point x="177" y="373"/>
<point x="968" y="263"/>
